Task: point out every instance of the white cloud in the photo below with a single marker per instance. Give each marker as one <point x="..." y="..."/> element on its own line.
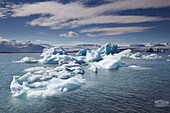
<point x="42" y="41"/>
<point x="76" y="14"/>
<point x="70" y="34"/>
<point x="114" y="31"/>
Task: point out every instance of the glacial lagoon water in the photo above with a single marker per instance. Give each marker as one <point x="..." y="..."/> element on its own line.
<point x="127" y="89"/>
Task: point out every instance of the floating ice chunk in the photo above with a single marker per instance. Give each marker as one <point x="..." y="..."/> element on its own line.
<point x="51" y="81"/>
<point x="82" y="52"/>
<point x="112" y="61"/>
<point x="98" y="54"/>
<point x="139" y="55"/>
<point x="169" y="55"/>
<point x="53" y="51"/>
<point x="137" y="67"/>
<point x="151" y="56"/>
<point x="161" y="103"/>
<point x="168" y="60"/>
<point x="108" y="48"/>
<point x="27" y="60"/>
<point x="93" y="68"/>
<point x="17" y="89"/>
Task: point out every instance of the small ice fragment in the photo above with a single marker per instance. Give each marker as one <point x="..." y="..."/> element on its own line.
<point x="29" y="60"/>
<point x="93" y="68"/>
<point x="168" y="60"/>
<point x="161" y="103"/>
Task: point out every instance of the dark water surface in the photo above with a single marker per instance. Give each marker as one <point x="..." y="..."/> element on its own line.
<point x="123" y="90"/>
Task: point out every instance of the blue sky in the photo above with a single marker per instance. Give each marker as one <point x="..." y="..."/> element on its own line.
<point x="86" y="21"/>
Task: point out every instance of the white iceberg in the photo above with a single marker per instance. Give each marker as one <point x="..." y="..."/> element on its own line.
<point x="112" y="61"/>
<point x="53" y="51"/>
<point x="161" y="103"/>
<point x="98" y="54"/>
<point x="168" y="60"/>
<point x="50" y="82"/>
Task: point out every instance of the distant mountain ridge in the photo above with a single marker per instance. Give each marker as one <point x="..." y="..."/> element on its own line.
<point x="20" y="46"/>
<point x="23" y="46"/>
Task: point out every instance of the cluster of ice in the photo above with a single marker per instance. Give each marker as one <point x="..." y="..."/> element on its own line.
<point x="52" y="81"/>
<point x="98" y="54"/>
<point x="161" y="103"/>
<point x="46" y="82"/>
<point x="139" y="55"/>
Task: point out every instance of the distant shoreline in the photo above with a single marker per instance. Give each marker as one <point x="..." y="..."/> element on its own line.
<point x="121" y="48"/>
<point x="20" y="52"/>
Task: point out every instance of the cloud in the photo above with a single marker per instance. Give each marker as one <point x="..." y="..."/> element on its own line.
<point x="70" y="34"/>
<point x="114" y="31"/>
<point x="57" y="15"/>
<point x="42" y="41"/>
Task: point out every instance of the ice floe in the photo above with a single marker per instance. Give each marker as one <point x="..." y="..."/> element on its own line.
<point x="161" y="103"/>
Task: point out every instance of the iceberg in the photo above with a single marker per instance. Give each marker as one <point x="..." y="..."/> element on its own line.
<point x="112" y="61"/>
<point x="161" y="103"/>
<point x="98" y="54"/>
<point x="168" y="60"/>
<point x="50" y="82"/>
<point x="53" y="51"/>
